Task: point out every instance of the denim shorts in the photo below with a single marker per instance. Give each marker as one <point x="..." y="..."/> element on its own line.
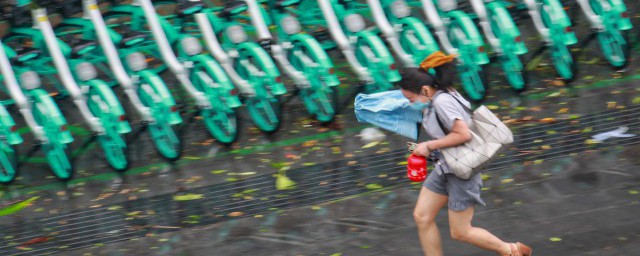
<point x="462" y="193"/>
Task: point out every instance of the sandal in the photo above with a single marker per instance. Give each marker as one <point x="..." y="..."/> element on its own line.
<point x="520" y="249"/>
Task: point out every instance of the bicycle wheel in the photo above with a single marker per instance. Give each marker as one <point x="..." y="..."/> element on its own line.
<point x="165" y="141"/>
<point x="472" y="77"/>
<point x="115" y="150"/>
<point x="319" y="104"/>
<point x="514" y="71"/>
<point x="473" y="80"/>
<point x="8" y="163"/>
<point x="59" y="161"/>
<point x="222" y="124"/>
<point x="265" y="113"/>
<point x="380" y="83"/>
<point x="613" y="42"/>
<point x="563" y="61"/>
<point x="615" y="47"/>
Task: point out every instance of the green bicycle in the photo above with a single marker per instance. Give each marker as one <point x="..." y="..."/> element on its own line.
<point x="128" y="67"/>
<point x="459" y="35"/>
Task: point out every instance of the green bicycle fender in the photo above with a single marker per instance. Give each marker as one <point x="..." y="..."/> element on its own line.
<point x="620" y="7"/>
<point x="381" y="51"/>
<point x="115" y="107"/>
<point x="216" y="72"/>
<point x="506" y="24"/>
<point x="153" y="80"/>
<point x="318" y="54"/>
<point x="468" y="26"/>
<point x="53" y="112"/>
<point x="558" y="13"/>
<point x="7" y="122"/>
<point x="266" y="63"/>
<point x="471" y="31"/>
<point x="422" y="33"/>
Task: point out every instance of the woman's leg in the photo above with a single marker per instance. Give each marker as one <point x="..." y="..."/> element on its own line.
<point x="428" y="205"/>
<point x="461" y="229"/>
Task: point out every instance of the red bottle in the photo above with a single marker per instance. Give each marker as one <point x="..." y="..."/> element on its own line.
<point x="416" y="168"/>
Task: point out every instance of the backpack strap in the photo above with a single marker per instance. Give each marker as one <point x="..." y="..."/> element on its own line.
<point x="444" y="129"/>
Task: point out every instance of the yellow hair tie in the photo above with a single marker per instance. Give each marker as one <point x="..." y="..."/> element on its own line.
<point x="436" y="59"/>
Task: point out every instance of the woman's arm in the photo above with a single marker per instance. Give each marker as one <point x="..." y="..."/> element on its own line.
<point x="459" y="135"/>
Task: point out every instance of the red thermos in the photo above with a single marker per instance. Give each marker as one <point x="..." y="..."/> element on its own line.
<point x="416" y="168"/>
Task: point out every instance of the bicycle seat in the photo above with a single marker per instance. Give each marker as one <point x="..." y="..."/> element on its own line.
<point x="80" y="47"/>
<point x="233" y="7"/>
<point x="280" y="4"/>
<point x="187" y="7"/>
<point x="25" y="54"/>
<point x="132" y="37"/>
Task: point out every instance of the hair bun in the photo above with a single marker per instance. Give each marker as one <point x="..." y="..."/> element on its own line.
<point x="436" y="59"/>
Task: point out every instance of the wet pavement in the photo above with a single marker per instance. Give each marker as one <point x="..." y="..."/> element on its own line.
<point x="555" y="189"/>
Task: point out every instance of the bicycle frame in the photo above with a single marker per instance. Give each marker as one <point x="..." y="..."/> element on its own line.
<point x="363" y="49"/>
<point x="40" y="112"/>
<point x="302" y="57"/>
<point x="144" y="88"/>
<point x="610" y="21"/>
<point x="504" y="37"/>
<point x="247" y="63"/>
<point x="459" y="35"/>
<point x="554" y="26"/>
<point x="408" y="37"/>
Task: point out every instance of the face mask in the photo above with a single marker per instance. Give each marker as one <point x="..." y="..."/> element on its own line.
<point x="419" y="105"/>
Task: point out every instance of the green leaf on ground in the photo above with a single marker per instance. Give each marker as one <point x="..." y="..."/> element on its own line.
<point x="188" y="197"/>
<point x="373" y="186"/>
<point x="11" y="209"/>
<point x="283" y="182"/>
<point x="555" y="239"/>
<point x="371" y="144"/>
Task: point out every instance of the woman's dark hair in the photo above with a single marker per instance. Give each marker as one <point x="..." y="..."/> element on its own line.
<point x="414" y="78"/>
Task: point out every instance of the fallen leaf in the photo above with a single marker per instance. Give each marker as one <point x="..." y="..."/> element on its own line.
<point x="235" y="214"/>
<point x="504" y="181"/>
<point x="611" y="104"/>
<point x="591" y="142"/>
<point x="371" y="144"/>
<point x="548" y="120"/>
<point x="373" y="186"/>
<point x="555" y="239"/>
<point x="283" y="182"/>
<point x="188" y="197"/>
<point x="36" y="240"/>
<point x="634" y="192"/>
<point x="563" y="110"/>
<point x="11" y="209"/>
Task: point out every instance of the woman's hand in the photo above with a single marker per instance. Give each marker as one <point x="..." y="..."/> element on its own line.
<point x="422" y="149"/>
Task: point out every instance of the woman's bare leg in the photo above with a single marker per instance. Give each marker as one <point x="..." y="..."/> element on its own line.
<point x="428" y="205"/>
<point x="461" y="229"/>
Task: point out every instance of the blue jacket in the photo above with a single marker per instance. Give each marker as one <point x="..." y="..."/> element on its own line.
<point x="389" y="110"/>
